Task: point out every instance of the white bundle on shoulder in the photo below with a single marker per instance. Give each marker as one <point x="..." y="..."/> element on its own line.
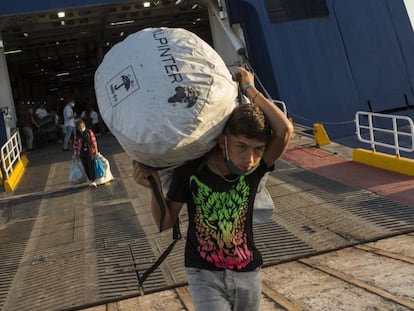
<point x="165" y="94"/>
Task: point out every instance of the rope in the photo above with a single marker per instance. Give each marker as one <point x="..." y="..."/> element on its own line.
<point x="323" y="122"/>
<point x="250" y="67"/>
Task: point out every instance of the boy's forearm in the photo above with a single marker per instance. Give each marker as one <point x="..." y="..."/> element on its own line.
<point x="282" y="128"/>
<point x="279" y="123"/>
<point x="156" y="208"/>
<point x="150" y="178"/>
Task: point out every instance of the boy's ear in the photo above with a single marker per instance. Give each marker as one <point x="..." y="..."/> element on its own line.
<point x="220" y="141"/>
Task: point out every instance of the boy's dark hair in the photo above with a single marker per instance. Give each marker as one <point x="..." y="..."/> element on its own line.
<point x="248" y="120"/>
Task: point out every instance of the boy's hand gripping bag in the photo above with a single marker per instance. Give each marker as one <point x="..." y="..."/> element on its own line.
<point x="165" y="94"/>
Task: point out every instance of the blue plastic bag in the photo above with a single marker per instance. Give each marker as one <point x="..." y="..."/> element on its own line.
<point x="77" y="174"/>
<point x="99" y="167"/>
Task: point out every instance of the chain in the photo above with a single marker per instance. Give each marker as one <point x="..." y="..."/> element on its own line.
<point x="213" y="164"/>
<point x="323" y="122"/>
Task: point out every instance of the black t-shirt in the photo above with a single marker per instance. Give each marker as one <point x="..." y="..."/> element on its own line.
<point x="220" y="214"/>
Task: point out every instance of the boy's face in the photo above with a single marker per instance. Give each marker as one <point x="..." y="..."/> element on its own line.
<point x="244" y="152"/>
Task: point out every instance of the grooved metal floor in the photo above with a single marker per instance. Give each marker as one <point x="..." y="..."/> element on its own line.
<point x="13" y="242"/>
<point x="88" y="246"/>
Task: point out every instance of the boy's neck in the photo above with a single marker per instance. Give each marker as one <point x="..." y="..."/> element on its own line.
<point x="216" y="162"/>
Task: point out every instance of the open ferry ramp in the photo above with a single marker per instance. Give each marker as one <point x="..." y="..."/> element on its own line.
<point x="341" y="237"/>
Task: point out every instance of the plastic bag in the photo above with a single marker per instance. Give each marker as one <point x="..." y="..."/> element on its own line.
<point x="77" y="174"/>
<point x="108" y="174"/>
<point x="263" y="206"/>
<point x="165" y="94"/>
<point x="99" y="167"/>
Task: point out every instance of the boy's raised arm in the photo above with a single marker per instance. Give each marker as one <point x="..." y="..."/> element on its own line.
<point x="282" y="128"/>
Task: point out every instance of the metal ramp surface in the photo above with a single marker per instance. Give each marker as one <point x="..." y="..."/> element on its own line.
<point x="77" y="246"/>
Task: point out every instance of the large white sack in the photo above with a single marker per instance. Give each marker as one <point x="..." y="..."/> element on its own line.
<point x="165" y="94"/>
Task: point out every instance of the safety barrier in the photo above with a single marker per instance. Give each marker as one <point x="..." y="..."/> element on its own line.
<point x="391" y="127"/>
<point x="13" y="163"/>
<point x="396" y="131"/>
<point x="281" y="104"/>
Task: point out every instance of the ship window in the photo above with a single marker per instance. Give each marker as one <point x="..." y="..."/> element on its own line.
<point x="288" y="10"/>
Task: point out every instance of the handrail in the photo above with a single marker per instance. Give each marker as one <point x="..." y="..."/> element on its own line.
<point x="10" y="154"/>
<point x="282" y="105"/>
<point x="396" y="130"/>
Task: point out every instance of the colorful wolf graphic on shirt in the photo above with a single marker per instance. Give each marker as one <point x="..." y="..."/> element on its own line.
<point x="220" y="224"/>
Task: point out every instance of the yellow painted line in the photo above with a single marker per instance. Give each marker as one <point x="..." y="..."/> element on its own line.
<point x="18" y="171"/>
<point x="385" y="161"/>
<point x="385" y="253"/>
<point x="359" y="283"/>
<point x="185" y="297"/>
<point x="279" y="298"/>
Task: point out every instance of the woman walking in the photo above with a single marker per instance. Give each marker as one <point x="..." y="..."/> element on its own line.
<point x="86" y="147"/>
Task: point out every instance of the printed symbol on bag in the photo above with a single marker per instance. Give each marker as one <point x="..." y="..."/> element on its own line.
<point x="121" y="86"/>
<point x="184" y="94"/>
<point x="126" y="82"/>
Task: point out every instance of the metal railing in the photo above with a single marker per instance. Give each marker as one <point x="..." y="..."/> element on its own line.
<point x="10" y="154"/>
<point x="374" y="126"/>
<point x="282" y="105"/>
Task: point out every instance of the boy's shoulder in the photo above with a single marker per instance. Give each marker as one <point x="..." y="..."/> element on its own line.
<point x="192" y="165"/>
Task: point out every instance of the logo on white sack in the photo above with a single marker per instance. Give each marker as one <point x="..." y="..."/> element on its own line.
<point x="184" y="94"/>
<point x="122" y="85"/>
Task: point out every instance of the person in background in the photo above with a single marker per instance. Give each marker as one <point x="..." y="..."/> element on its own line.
<point x="41" y="112"/>
<point x="69" y="123"/>
<point x="60" y="129"/>
<point x="86" y="147"/>
<point x="221" y="260"/>
<point x="91" y="119"/>
<point x="29" y="123"/>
